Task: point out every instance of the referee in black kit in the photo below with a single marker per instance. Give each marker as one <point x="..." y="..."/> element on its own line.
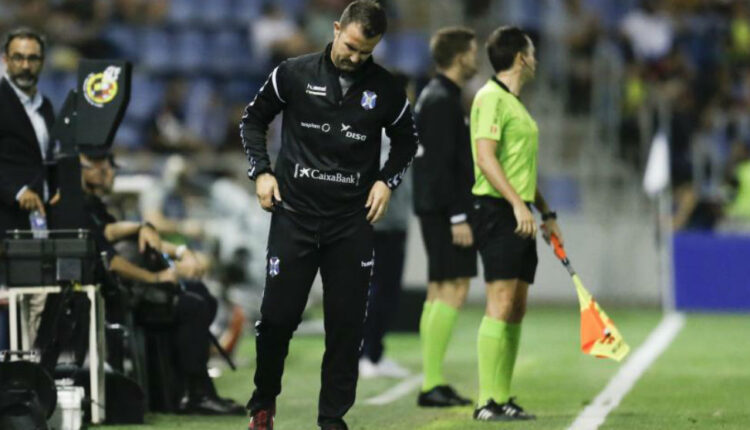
<point x="325" y="192"/>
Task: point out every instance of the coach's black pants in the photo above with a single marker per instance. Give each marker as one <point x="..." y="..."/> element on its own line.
<point x="299" y="245"/>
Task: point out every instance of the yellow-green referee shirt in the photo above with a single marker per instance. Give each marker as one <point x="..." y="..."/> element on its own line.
<point x="498" y="115"/>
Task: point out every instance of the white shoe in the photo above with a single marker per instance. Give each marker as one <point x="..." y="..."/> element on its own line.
<point x="390" y="369"/>
<point x="367" y="369"/>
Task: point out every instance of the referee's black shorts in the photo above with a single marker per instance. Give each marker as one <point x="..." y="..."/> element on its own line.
<point x="505" y="254"/>
<point x="445" y="260"/>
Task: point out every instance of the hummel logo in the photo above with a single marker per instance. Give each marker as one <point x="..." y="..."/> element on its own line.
<point x="345" y="127"/>
<point x="316" y="90"/>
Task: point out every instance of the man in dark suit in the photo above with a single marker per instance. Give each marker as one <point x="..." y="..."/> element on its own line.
<point x="26" y="118"/>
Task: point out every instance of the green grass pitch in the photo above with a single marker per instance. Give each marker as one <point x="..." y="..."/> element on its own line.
<point x="701" y="382"/>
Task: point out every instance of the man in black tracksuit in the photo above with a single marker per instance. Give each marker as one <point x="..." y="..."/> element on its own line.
<point x="443" y="177"/>
<point x="325" y="192"/>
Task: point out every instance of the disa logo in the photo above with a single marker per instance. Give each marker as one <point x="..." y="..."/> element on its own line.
<point x="101" y="88"/>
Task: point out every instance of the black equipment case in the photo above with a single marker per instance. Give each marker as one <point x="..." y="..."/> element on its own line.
<point x="67" y="256"/>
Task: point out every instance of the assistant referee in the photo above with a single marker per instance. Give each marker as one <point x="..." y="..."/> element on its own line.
<point x="504" y="140"/>
<point x="326" y="190"/>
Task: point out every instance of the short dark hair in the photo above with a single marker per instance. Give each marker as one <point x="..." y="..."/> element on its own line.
<point x="23" y="33"/>
<point x="449" y="42"/>
<point x="503" y="45"/>
<point x="369" y="14"/>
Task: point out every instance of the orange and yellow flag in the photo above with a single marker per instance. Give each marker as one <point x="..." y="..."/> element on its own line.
<point x="599" y="336"/>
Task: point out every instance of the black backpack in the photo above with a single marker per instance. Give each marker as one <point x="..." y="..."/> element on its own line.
<point x="27" y="396"/>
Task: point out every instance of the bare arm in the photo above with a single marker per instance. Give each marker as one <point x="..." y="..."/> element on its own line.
<point x="147" y="234"/>
<point x="128" y="270"/>
<point x="190" y="264"/>
<point x="540" y="202"/>
<point x="550" y="225"/>
<point x="493" y="171"/>
<point x="119" y="230"/>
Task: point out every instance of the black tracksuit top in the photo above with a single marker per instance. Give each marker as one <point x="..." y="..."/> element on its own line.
<point x="330" y="144"/>
<point x="443" y="169"/>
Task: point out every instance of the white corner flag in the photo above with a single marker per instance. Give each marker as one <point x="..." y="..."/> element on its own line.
<point x="656" y="177"/>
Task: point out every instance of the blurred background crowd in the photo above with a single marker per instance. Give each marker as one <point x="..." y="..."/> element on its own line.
<point x="612" y="74"/>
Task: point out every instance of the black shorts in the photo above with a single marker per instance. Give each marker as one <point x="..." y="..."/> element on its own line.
<point x="505" y="254"/>
<point x="446" y="261"/>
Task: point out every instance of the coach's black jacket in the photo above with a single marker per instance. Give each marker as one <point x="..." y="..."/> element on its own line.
<point x="443" y="169"/>
<point x="21" y="162"/>
<point x="330" y="144"/>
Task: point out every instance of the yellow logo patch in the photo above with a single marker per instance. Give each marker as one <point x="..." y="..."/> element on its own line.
<point x="101" y="88"/>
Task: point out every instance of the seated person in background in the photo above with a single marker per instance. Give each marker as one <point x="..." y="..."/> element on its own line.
<point x="165" y="204"/>
<point x="195" y="307"/>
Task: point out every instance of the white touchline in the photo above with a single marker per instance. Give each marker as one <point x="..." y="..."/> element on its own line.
<point x="396" y="392"/>
<point x="657" y="342"/>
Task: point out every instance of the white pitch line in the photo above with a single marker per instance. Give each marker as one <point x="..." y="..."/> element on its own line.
<point x="397" y="391"/>
<point x="657" y="342"/>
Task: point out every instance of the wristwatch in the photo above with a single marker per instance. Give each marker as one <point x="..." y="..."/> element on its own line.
<point x="549" y="215"/>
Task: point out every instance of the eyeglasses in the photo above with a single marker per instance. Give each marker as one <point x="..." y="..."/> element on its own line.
<point x="32" y="59"/>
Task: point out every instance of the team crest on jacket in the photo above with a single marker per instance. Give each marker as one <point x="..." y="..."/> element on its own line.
<point x="368" y="100"/>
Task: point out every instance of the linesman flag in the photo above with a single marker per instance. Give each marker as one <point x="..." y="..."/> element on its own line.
<point x="599" y="336"/>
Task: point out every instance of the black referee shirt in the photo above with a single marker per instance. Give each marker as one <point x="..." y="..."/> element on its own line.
<point x="330" y="142"/>
<point x="443" y="168"/>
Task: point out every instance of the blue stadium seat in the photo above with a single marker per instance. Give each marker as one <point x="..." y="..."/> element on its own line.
<point x="229" y="51"/>
<point x="125" y="38"/>
<point x="241" y="90"/>
<point x="51" y="86"/>
<point x="157" y="50"/>
<point x="199" y="95"/>
<point x="185" y="11"/>
<point x="130" y="135"/>
<point x="191" y="51"/>
<point x="410" y="52"/>
<point x="246" y="11"/>
<point x="146" y="94"/>
<point x="293" y="8"/>
<point x="219" y="12"/>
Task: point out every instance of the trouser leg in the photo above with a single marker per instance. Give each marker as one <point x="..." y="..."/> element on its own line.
<point x="384" y="290"/>
<point x="292" y="263"/>
<point x="346" y="269"/>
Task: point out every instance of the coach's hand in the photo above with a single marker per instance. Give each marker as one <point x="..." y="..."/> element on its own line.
<point x="29" y="201"/>
<point x="526" y="226"/>
<point x="377" y="201"/>
<point x="462" y="235"/>
<point x="267" y="189"/>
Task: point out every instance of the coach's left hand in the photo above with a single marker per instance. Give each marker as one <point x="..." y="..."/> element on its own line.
<point x="377" y="201"/>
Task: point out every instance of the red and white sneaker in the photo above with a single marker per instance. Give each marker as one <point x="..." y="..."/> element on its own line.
<point x="262" y="419"/>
